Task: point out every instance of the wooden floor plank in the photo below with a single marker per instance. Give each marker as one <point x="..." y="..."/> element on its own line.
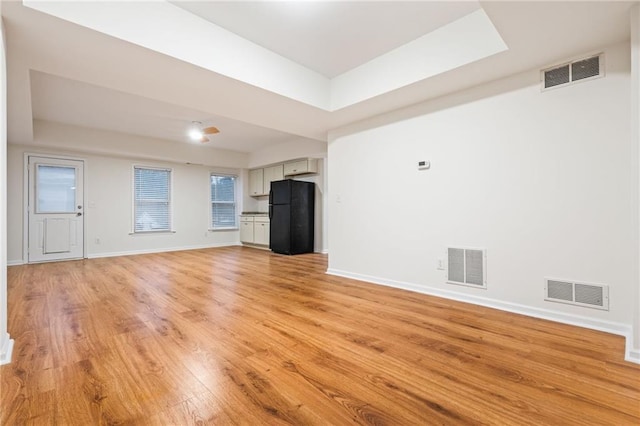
<point x="243" y="336"/>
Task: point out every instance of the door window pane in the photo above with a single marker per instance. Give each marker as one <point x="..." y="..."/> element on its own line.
<point x="55" y="189"/>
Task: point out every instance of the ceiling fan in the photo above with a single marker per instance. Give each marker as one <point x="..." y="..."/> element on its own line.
<point x="198" y="133"/>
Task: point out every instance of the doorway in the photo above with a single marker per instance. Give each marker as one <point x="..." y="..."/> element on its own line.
<point x="55" y="224"/>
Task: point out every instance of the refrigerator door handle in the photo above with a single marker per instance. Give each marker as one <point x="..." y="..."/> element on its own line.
<point x="270" y="212"/>
<point x="271" y="196"/>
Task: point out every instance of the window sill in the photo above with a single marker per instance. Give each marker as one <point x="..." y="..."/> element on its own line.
<point x="151" y="232"/>
<point x="231" y="228"/>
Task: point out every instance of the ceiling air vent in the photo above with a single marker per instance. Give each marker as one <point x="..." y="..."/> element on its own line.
<point x="572" y="72"/>
<point x="576" y="293"/>
<point x="467" y="266"/>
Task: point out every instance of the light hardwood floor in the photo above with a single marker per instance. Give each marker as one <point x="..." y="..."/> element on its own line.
<point x="242" y="336"/>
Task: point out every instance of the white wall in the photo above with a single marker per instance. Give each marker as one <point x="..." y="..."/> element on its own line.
<point x="543" y="181"/>
<point x="108" y="206"/>
<point x="6" y="343"/>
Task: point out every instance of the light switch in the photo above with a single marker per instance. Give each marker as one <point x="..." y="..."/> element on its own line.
<point x="424" y="165"/>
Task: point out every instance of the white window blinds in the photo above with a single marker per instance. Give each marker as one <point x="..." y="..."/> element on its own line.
<point x="152" y="199"/>
<point x="223" y="202"/>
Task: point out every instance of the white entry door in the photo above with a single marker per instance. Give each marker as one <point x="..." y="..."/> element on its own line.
<point x="56" y="213"/>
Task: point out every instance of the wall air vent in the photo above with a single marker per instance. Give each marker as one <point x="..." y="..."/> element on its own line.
<point x="580" y="70"/>
<point x="577" y="293"/>
<point x="467" y="266"/>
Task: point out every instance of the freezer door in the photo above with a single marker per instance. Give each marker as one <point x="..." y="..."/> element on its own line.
<point x="280" y="229"/>
<point x="280" y="192"/>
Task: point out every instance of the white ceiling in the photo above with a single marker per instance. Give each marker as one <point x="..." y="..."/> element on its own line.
<point x="63" y="100"/>
<point x="59" y="71"/>
<point x="330" y="37"/>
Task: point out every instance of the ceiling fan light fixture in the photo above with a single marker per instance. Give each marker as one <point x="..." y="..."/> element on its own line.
<point x="195" y="132"/>
<point x="198" y="133"/>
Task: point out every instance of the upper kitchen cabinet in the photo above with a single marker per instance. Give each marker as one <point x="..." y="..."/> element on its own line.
<point x="272" y="174"/>
<point x="256" y="182"/>
<point x="260" y="179"/>
<point x="301" y="167"/>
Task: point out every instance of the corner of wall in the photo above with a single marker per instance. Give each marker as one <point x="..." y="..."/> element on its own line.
<point x="633" y="340"/>
<point x="6" y="343"/>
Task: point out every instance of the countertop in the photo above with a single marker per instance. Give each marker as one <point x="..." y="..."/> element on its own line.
<point x="254" y="214"/>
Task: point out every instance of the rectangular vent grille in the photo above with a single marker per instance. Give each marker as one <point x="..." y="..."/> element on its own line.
<point x="574" y="71"/>
<point x="576" y="293"/>
<point x="557" y="76"/>
<point x="585" y="68"/>
<point x="467" y="266"/>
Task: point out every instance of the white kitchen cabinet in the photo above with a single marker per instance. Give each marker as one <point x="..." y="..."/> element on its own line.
<point x="260" y="179"/>
<point x="246" y="229"/>
<point x="272" y="174"/>
<point x="254" y="229"/>
<point x="300" y="167"/>
<point x="256" y="182"/>
<point x="261" y="230"/>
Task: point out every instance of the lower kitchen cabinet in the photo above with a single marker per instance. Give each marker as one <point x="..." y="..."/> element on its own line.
<point x="254" y="230"/>
<point x="246" y="229"/>
<point x="261" y="230"/>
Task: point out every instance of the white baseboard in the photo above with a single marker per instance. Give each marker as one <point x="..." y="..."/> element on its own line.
<point x="561" y="317"/>
<point x="6" y="350"/>
<point x="159" y="250"/>
<point x="632" y="355"/>
<point x="15" y="262"/>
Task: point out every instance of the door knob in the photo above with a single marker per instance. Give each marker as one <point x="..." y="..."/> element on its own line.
<point x="78" y="214"/>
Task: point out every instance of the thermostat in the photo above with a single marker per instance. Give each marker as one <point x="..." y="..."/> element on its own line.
<point x="424" y="165"/>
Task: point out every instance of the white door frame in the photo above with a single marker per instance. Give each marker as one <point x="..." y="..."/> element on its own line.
<point x="25" y="200"/>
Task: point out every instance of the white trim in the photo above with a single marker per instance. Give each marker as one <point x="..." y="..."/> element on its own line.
<point x="7" y="350"/>
<point x="619" y="329"/>
<point x="25" y="207"/>
<point x="632" y="355"/>
<point x="162" y="250"/>
<point x="15" y="262"/>
<point x="172" y="231"/>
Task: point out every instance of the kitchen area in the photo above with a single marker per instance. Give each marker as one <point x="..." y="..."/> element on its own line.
<point x="288" y="220"/>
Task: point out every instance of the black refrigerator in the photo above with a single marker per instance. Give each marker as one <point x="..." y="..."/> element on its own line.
<point x="291" y="208"/>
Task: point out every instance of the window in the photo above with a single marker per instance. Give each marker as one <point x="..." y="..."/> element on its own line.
<point x="151" y="199"/>
<point x="223" y="202"/>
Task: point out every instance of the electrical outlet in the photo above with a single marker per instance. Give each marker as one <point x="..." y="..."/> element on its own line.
<point x="440" y="264"/>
